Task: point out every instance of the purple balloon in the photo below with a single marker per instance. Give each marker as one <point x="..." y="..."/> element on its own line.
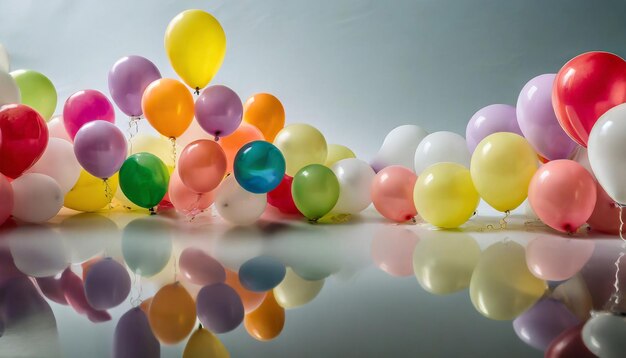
<point x="107" y="284"/>
<point x="538" y="122"/>
<point x="128" y="79"/>
<point x="219" y="111"/>
<point x="133" y="337"/>
<point x="489" y="120"/>
<point x="543" y="322"/>
<point x="100" y="148"/>
<point x="52" y="289"/>
<point x="219" y="308"/>
<point x="199" y="268"/>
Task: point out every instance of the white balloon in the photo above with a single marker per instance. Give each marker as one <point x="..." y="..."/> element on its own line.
<point x="355" y="181"/>
<point x="9" y="91"/>
<point x="607" y="152"/>
<point x="5" y="64"/>
<point x="56" y="129"/>
<point x="58" y="162"/>
<point x="37" y="198"/>
<point x="399" y="147"/>
<point x="604" y="335"/>
<point x="236" y="205"/>
<point x="441" y="147"/>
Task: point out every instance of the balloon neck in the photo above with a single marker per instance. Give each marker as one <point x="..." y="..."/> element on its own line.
<point x="217" y="136"/>
<point x="152" y="211"/>
<point x="197" y="91"/>
<point x="313" y="221"/>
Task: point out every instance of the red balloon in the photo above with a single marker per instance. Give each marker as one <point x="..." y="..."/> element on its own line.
<point x="24" y="138"/>
<point x="569" y="344"/>
<point x="605" y="216"/>
<point x="281" y="197"/>
<point x="586" y="87"/>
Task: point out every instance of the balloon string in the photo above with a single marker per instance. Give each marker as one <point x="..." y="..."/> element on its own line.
<point x="133" y="130"/>
<point x="108" y="193"/>
<point x="621" y="222"/>
<point x="175" y="268"/>
<point x="135" y="300"/>
<point x="503" y="223"/>
<point x="615" y="298"/>
<point x="173" y="141"/>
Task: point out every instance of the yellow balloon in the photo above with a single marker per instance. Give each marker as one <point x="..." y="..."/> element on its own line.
<point x="502" y="286"/>
<point x="294" y="291"/>
<point x="159" y="146"/>
<point x="445" y="196"/>
<point x="195" y="44"/>
<point x="89" y="193"/>
<point x="502" y="166"/>
<point x="301" y="145"/>
<point x="337" y="152"/>
<point x="202" y="344"/>
<point x="443" y="262"/>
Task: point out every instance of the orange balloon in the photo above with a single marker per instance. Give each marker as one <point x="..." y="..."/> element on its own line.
<point x="231" y="144"/>
<point x="202" y="165"/>
<point x="265" y="112"/>
<point x="145" y="305"/>
<point x="266" y="322"/>
<point x="251" y="300"/>
<point x="172" y="313"/>
<point x="168" y="105"/>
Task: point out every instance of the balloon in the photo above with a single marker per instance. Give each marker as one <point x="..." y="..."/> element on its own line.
<point x="337" y="152"/>
<point x="261" y="273"/>
<point x="186" y="200"/>
<point x="315" y="191"/>
<point x="37" y="198"/>
<point x="88" y="235"/>
<point x="4" y="59"/>
<point x="202" y="165"/>
<point x="37" y="92"/>
<point x="219" y="308"/>
<point x="251" y="300"/>
<point x="75" y="295"/>
<point x="392" y="250"/>
<point x="172" y="313"/>
<point x="23" y="139"/>
<point x="575" y="295"/>
<point x="605" y="215"/>
<point x="266" y="322"/>
<point x="399" y="147"/>
<point x="133" y="336"/>
<point x="603" y="335"/>
<point x="199" y="268"/>
<point x="302" y="145"/>
<point x="489" y="120"/>
<point x="443" y="262"/>
<point x="168" y="107"/>
<point x="128" y="79"/>
<point x="543" y="322"/>
<point x="236" y="205"/>
<point x="107" y="284"/>
<point x="90" y="193"/>
<point x="203" y="343"/>
<point x="219" y="111"/>
<point x="585" y="88"/>
<point x="56" y="129"/>
<point x="9" y="90"/>
<point x="281" y="197"/>
<point x="259" y="167"/>
<point x="147" y="245"/>
<point x="563" y="194"/>
<point x="231" y="144"/>
<point x="100" y="148"/>
<point x="266" y="113"/>
<point x="195" y="44"/>
<point x="502" y="287"/>
<point x="159" y="146"/>
<point x="294" y="291"/>
<point x="51" y="288"/>
<point x="538" y="122"/>
<point x="58" y="162"/>
<point x="6" y="198"/>
<point x="37" y="250"/>
<point x="607" y="152"/>
<point x="86" y="106"/>
<point x="502" y="167"/>
<point x="445" y="196"/>
<point x="569" y="344"/>
<point x="355" y="180"/>
<point x="193" y="133"/>
<point x="557" y="259"/>
<point x="144" y="179"/>
<point x="392" y="193"/>
<point x="441" y="147"/>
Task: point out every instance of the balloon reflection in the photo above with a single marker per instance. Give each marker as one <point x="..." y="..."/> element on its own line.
<point x="267" y="321"/>
<point x="147" y="245"/>
<point x="575" y="295"/>
<point x="37" y="250"/>
<point x="392" y="250"/>
<point x="133" y="336"/>
<point x="556" y="258"/>
<point x="294" y="291"/>
<point x="89" y="234"/>
<point x="203" y="343"/>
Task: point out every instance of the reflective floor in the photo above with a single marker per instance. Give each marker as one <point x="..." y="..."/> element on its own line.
<point x="354" y="287"/>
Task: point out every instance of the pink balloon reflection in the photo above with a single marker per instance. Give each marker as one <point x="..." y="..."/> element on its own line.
<point x="555" y="258"/>
<point x="392" y="250"/>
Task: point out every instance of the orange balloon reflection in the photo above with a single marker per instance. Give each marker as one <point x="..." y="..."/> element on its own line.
<point x="251" y="300"/>
<point x="266" y="322"/>
<point x="172" y="313"/>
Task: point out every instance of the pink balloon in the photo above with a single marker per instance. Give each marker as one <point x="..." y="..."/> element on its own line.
<point x="605" y="216"/>
<point x="56" y="129"/>
<point x="199" y="268"/>
<point x="392" y="193"/>
<point x="84" y="107"/>
<point x="202" y="165"/>
<point x="556" y="258"/>
<point x="6" y="198"/>
<point x="392" y="250"/>
<point x="186" y="200"/>
<point x="563" y="194"/>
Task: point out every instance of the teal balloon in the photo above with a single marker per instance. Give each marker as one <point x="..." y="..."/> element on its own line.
<point x="259" y="167"/>
<point x="147" y="245"/>
<point x="144" y="179"/>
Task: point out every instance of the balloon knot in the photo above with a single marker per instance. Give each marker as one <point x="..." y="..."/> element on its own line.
<point x="197" y="91"/>
<point x="152" y="212"/>
<point x="217" y="135"/>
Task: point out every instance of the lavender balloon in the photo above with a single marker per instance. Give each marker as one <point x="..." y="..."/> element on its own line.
<point x="219" y="111"/>
<point x="219" y="308"/>
<point x="543" y="322"/>
<point x="107" y="284"/>
<point x="133" y="337"/>
<point x="489" y="120"/>
<point x="100" y="148"/>
<point x="128" y="79"/>
<point x="538" y="122"/>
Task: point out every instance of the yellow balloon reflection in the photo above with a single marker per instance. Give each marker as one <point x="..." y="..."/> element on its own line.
<point x="575" y="295"/>
<point x="502" y="287"/>
<point x="202" y="344"/>
<point x="294" y="291"/>
<point x="90" y="193"/>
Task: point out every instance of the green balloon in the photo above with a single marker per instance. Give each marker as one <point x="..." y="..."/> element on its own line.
<point x="144" y="179"/>
<point x="315" y="191"/>
<point x="37" y="92"/>
<point x="147" y="245"/>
